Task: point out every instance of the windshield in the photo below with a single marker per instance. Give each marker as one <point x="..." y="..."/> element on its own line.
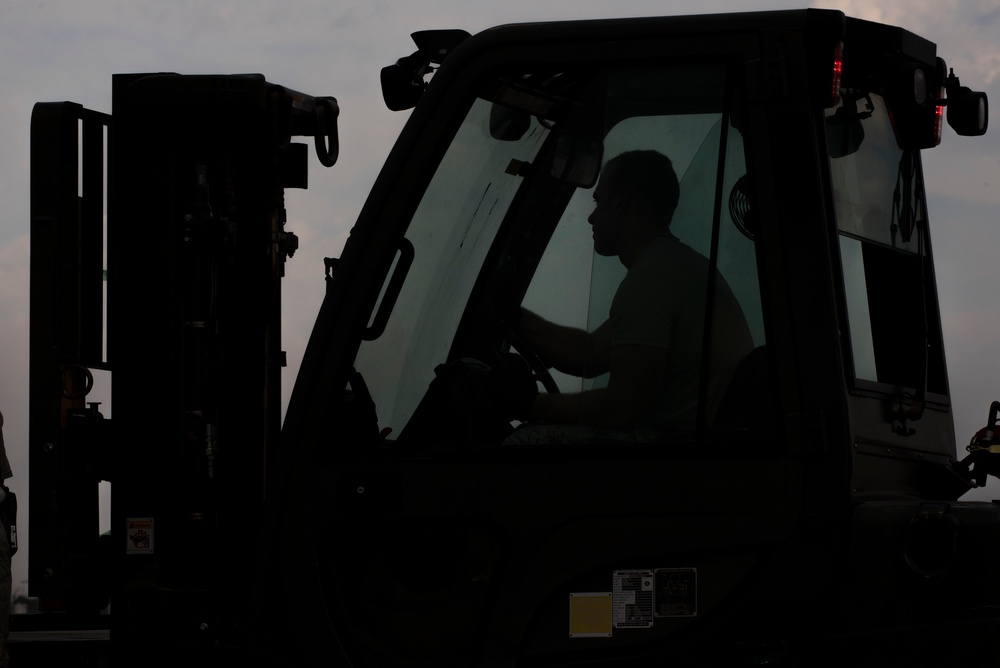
<point x="451" y="230"/>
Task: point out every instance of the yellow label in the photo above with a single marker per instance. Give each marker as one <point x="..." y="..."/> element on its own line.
<point x="590" y="615"/>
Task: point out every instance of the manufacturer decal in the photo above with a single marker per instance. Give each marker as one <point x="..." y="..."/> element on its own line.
<point x="632" y="593"/>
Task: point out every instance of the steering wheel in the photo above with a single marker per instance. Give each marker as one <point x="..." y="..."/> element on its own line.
<point x="539" y="371"/>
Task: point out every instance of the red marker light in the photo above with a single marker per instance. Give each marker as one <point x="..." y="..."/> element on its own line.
<point x="838" y="70"/>
<point x="938" y="122"/>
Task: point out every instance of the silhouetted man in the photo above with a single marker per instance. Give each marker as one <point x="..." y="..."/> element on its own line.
<point x="651" y="344"/>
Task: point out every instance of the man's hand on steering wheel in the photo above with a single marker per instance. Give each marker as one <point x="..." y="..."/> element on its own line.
<point x="510" y="322"/>
<point x="512" y="387"/>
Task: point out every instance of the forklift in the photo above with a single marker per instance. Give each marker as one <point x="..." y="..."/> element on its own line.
<point x="807" y="512"/>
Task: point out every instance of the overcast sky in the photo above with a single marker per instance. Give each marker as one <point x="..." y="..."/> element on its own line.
<point x="68" y="50"/>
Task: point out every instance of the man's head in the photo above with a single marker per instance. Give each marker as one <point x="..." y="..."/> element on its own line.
<point x="634" y="200"/>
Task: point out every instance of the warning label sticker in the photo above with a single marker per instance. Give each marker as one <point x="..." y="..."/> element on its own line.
<point x="632" y="599"/>
<point x="139" y="535"/>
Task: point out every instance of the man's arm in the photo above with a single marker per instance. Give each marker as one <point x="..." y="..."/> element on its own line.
<point x="633" y="387"/>
<point x="570" y="350"/>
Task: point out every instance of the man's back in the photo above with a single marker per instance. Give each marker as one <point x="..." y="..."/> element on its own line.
<point x="661" y="304"/>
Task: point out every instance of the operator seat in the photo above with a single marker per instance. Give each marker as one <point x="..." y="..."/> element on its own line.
<point x="748" y="402"/>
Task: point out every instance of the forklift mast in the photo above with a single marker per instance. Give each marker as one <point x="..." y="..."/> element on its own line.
<point x="171" y="298"/>
<point x="804" y="499"/>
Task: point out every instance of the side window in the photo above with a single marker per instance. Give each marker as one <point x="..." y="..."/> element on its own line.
<point x="884" y="250"/>
<point x="575" y="286"/>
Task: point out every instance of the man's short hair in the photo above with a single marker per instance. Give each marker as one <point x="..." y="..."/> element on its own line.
<point x="647" y="178"/>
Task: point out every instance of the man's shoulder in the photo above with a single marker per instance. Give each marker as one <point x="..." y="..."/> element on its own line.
<point x="668" y="253"/>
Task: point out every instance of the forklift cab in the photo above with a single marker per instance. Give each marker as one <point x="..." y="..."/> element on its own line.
<point x="795" y="139"/>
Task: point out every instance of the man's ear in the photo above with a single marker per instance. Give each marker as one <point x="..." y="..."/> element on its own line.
<point x="620" y="204"/>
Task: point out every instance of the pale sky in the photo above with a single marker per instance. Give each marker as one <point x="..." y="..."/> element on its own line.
<point x="68" y="50"/>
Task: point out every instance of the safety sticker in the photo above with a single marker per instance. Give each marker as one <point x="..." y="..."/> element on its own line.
<point x="590" y="615"/>
<point x="139" y="535"/>
<point x="632" y="593"/>
<point x="676" y="592"/>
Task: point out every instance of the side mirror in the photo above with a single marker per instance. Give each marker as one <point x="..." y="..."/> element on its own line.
<point x="403" y="82"/>
<point x="968" y="110"/>
<point x="844" y="134"/>
<point x="577" y="159"/>
<point x="507" y="123"/>
<point x="844" y="130"/>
